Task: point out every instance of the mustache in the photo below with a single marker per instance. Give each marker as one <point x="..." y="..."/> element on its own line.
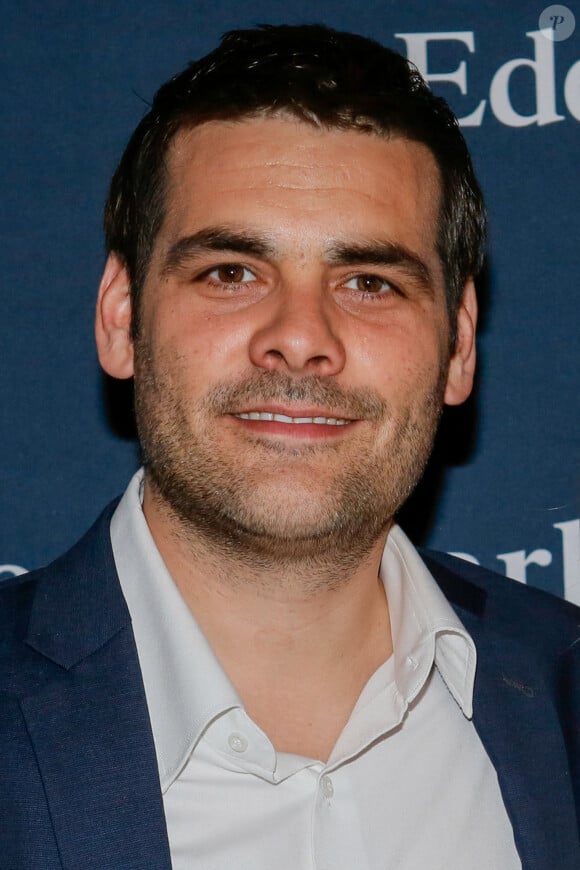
<point x="237" y="396"/>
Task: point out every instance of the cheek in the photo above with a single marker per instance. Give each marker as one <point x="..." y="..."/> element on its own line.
<point x="197" y="340"/>
<point x="400" y="359"/>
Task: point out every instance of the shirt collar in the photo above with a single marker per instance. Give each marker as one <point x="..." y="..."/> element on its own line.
<point x="425" y="628"/>
<point x="183" y="700"/>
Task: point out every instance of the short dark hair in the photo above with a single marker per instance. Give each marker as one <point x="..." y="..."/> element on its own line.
<point x="323" y="77"/>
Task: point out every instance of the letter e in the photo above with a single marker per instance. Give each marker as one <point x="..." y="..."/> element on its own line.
<point x="417" y="45"/>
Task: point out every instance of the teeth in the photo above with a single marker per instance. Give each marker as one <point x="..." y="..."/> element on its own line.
<point x="282" y="418"/>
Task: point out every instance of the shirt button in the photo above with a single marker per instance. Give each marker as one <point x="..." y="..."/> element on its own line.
<point x="237" y="742"/>
<point x="327" y="786"/>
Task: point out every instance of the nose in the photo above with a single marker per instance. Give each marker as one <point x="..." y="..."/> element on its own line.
<point x="298" y="336"/>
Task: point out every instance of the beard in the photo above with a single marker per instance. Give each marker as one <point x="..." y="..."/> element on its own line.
<point x="270" y="504"/>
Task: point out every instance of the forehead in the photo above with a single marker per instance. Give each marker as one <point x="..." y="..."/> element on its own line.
<point x="302" y="182"/>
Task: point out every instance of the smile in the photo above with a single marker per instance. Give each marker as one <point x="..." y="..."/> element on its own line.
<point x="267" y="416"/>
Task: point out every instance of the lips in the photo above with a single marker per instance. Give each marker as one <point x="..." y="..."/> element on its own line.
<point x="271" y="417"/>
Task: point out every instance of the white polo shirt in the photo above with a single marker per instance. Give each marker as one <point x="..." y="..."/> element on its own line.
<point x="408" y="785"/>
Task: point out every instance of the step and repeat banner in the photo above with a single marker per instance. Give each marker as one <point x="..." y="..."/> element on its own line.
<point x="503" y="487"/>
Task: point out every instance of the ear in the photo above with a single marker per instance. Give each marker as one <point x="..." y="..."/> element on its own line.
<point x="462" y="363"/>
<point x="113" y="320"/>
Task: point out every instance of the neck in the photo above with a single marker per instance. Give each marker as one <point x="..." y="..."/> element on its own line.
<point x="283" y="630"/>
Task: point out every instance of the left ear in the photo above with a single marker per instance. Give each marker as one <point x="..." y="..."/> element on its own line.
<point x="462" y="363"/>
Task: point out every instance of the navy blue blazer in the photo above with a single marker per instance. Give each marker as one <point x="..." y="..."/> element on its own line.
<point x="79" y="787"/>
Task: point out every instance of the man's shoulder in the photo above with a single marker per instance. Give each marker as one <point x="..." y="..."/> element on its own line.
<point x="94" y="543"/>
<point x="528" y="614"/>
<point x="451" y="568"/>
<point x="59" y="600"/>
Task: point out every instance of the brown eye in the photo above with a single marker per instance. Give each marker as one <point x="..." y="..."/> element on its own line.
<point x="231" y="273"/>
<point x="369" y="284"/>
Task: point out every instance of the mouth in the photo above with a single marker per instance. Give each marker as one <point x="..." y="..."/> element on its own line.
<point x="294" y="423"/>
<point x="272" y="417"/>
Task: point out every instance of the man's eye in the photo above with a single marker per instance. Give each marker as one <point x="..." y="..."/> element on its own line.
<point x="231" y="273"/>
<point x="369" y="284"/>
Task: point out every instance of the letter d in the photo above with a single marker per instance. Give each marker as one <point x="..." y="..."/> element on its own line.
<point x="544" y="74"/>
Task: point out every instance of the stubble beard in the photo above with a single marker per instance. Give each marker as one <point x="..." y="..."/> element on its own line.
<point x="223" y="505"/>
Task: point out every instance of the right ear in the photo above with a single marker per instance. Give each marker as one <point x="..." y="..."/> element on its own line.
<point x="113" y="320"/>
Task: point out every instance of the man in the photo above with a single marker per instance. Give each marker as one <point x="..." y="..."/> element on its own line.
<point x="246" y="663"/>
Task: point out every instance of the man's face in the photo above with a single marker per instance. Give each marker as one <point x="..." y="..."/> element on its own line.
<point x="292" y="359"/>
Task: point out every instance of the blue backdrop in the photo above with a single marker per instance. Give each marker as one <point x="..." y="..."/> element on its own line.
<point x="76" y="78"/>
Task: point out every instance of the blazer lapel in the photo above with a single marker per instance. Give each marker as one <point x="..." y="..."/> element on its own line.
<point x="516" y="718"/>
<point x="89" y="722"/>
<point x="93" y="743"/>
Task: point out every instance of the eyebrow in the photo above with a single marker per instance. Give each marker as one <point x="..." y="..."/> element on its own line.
<point x="372" y="253"/>
<point x="215" y="239"/>
<point x="381" y="253"/>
